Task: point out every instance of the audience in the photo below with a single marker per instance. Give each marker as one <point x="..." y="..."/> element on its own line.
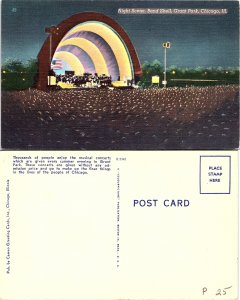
<point x="172" y="118"/>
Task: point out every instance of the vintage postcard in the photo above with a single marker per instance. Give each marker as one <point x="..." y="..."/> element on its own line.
<point x="119" y="225"/>
<point x="96" y="203"/>
<point x="120" y="75"/>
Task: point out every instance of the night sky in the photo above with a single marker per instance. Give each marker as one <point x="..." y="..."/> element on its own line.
<point x="197" y="40"/>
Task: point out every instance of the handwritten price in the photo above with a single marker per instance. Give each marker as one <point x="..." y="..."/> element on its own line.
<point x="219" y="292"/>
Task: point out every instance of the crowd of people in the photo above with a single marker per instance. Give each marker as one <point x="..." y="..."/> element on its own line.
<point x="172" y="118"/>
<point x="86" y="80"/>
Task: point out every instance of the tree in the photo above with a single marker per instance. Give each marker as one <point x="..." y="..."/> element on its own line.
<point x="13" y="66"/>
<point x="149" y="70"/>
<point x="18" y="76"/>
<point x="31" y="71"/>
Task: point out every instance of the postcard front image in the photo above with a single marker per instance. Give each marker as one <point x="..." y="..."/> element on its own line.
<point x="97" y="99"/>
<point x="120" y="75"/>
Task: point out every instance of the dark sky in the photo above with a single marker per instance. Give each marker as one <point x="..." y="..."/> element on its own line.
<point x="197" y="40"/>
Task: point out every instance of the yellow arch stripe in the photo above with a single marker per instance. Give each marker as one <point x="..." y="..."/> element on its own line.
<point x="72" y="60"/>
<point x="114" y="42"/>
<point x="92" y="50"/>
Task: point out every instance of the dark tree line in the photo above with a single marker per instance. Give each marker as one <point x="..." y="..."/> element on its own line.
<point x="177" y="75"/>
<point x="17" y="75"/>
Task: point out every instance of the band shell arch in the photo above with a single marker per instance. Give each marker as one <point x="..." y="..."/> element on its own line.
<point x="92" y="43"/>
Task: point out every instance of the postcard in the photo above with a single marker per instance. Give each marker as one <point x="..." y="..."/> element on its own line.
<point x="119" y="225"/>
<point x="120" y="75"/>
<point x="96" y="201"/>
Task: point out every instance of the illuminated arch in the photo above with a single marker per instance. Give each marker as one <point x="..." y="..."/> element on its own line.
<point x="82" y="56"/>
<point x="105" y="49"/>
<point x="116" y="44"/>
<point x="72" y="60"/>
<point x="93" y="51"/>
<point x="119" y="56"/>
